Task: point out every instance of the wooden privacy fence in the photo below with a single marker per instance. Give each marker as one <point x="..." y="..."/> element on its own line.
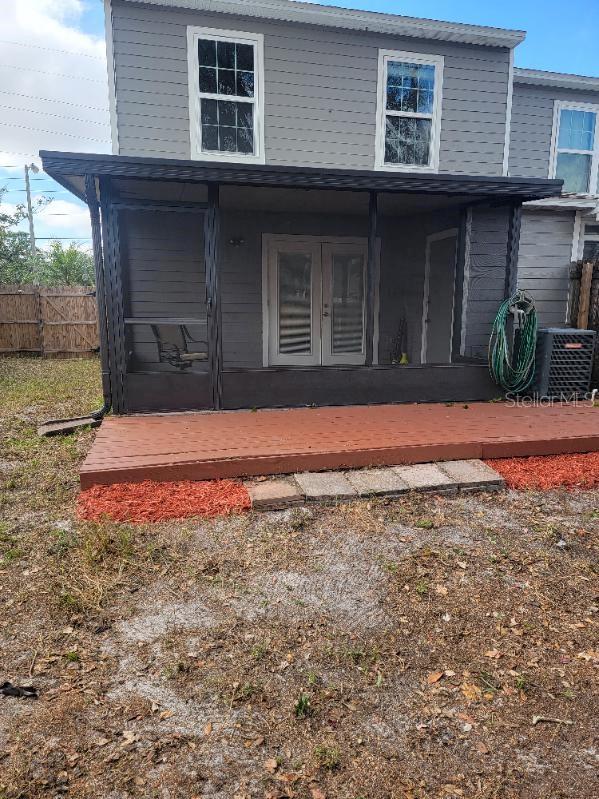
<point x="55" y="322"/>
<point x="583" y="304"/>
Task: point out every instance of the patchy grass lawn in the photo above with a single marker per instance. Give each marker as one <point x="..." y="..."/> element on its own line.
<point x="422" y="647"/>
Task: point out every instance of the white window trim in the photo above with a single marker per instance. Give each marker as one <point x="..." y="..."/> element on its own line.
<point x="563" y="105"/>
<point x="584" y="237"/>
<point x="436" y="61"/>
<point x="257" y="41"/>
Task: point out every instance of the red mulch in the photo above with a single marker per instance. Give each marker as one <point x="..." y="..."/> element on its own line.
<point x="550" y="471"/>
<point x="149" y="501"/>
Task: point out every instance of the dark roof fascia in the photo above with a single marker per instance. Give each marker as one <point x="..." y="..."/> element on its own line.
<point x="61" y="165"/>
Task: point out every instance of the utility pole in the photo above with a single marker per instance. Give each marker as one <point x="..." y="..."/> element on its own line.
<point x="35" y="170"/>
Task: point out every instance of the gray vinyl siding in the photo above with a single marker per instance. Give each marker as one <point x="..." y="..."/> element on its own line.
<point x="485" y="276"/>
<point x="320" y="91"/>
<point x="532" y="126"/>
<point x="544" y="262"/>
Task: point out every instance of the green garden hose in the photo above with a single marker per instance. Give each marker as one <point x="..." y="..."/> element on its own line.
<point x="514" y="372"/>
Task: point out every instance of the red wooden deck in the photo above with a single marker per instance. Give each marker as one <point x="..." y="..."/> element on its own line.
<point x="196" y="446"/>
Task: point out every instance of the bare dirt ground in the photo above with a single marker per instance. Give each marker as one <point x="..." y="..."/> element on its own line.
<point x="424" y="647"/>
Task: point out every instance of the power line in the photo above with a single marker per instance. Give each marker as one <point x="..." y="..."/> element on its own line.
<point x="47" y="191"/>
<point x="32" y="180"/>
<point x="50" y="114"/>
<point x="15" y="152"/>
<point x="53" y="100"/>
<point x="52" y="132"/>
<point x="50" y="74"/>
<point x="52" y="49"/>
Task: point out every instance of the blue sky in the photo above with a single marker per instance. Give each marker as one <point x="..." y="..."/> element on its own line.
<point x="53" y="77"/>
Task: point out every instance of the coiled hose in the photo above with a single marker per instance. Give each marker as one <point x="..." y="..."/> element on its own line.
<point x="514" y="372"/>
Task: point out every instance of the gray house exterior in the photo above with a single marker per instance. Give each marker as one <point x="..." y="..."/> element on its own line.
<point x="310" y="205"/>
<point x="554" y="232"/>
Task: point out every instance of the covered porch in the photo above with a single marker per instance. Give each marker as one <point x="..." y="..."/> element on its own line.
<point x="232" y="286"/>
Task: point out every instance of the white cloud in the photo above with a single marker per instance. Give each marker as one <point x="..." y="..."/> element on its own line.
<point x="53" y="96"/>
<point x="53" y="86"/>
<point x="63" y="218"/>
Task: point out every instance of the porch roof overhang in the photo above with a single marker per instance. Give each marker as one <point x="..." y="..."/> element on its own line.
<point x="70" y="169"/>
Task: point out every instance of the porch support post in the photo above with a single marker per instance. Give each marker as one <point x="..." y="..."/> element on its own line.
<point x="114" y="294"/>
<point x="371" y="276"/>
<point x="513" y="245"/>
<point x="94" y="213"/>
<point x="461" y="277"/>
<point x="213" y="309"/>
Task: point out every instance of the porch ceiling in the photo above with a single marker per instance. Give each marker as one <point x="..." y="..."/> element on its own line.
<point x="70" y="169"/>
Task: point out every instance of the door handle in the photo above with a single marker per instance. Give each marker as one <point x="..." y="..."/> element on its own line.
<point x="325" y="313"/>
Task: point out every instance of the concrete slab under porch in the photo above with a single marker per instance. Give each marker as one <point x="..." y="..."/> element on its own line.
<point x="212" y="445"/>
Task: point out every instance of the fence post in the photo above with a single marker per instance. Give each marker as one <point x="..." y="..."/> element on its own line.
<point x="585" y="296"/>
<point x="40" y="319"/>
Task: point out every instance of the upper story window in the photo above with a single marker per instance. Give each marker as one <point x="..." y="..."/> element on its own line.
<point x="575" y="147"/>
<point x="226" y="89"/>
<point x="409" y="111"/>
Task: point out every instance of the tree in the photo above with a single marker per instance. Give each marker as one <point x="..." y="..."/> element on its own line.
<point x="58" y="265"/>
<point x="16" y="262"/>
<point x="66" y="266"/>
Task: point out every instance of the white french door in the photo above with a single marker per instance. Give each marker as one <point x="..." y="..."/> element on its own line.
<point x="315" y="300"/>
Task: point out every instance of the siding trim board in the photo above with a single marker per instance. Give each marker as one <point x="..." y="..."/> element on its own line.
<point x="508" y="116"/>
<point x="110" y="67"/>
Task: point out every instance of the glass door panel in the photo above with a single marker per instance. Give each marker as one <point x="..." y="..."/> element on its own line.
<point x="343" y="320"/>
<point x="295" y="303"/>
<point x="295" y="292"/>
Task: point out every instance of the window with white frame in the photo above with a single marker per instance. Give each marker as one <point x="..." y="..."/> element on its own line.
<point x="409" y="111"/>
<point x="590" y="242"/>
<point x="226" y="87"/>
<point x="575" y="147"/>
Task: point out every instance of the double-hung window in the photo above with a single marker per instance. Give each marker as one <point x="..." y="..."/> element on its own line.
<point x="409" y="111"/>
<point x="575" y="147"/>
<point x="226" y="89"/>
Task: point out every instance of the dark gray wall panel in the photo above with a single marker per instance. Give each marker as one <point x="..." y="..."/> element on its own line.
<point x="320" y="90"/>
<point x="485" y="276"/>
<point x="167" y="392"/>
<point x="544" y="262"/>
<point x="263" y="388"/>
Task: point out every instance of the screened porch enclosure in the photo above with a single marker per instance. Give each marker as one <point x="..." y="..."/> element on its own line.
<point x="225" y="286"/>
<point x="300" y="319"/>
